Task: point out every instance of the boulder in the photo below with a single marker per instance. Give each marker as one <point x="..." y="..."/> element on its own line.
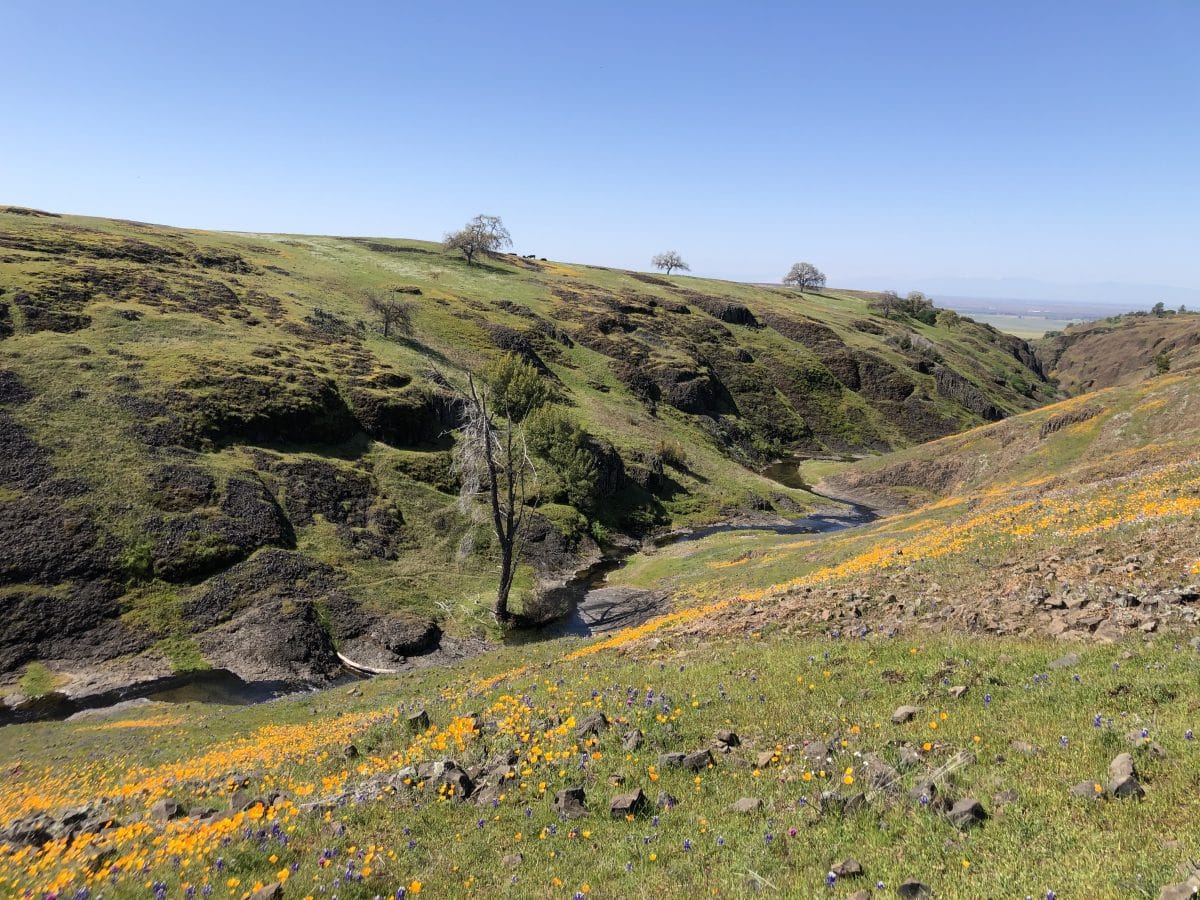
<point x="570" y="803"/>
<point x="967" y="813"/>
<point x="630" y="804"/>
<point x="746" y="805"/>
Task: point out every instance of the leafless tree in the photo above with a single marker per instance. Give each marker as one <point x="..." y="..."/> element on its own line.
<point x="394" y="314"/>
<point x="493" y="462"/>
<point x="483" y="234"/>
<point x="805" y="276"/>
<point x="670" y="260"/>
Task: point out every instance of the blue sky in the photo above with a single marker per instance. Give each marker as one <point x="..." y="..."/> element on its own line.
<point x="892" y="144"/>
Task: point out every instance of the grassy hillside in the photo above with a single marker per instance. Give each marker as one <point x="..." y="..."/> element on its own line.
<point x="1119" y="349"/>
<point x="224" y="461"/>
<point x="1036" y="606"/>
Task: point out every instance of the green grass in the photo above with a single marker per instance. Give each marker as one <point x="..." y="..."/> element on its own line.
<point x="777" y="693"/>
<point x="1027" y="327"/>
<point x="37" y="680"/>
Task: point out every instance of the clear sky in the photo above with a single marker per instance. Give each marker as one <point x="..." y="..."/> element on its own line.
<point x="891" y="143"/>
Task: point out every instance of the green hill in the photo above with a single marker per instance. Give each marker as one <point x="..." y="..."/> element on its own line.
<point x="210" y="454"/>
<point x="990" y="693"/>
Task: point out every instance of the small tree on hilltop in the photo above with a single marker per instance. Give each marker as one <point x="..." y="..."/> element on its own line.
<point x="493" y="460"/>
<point x="805" y="276"/>
<point x="670" y="260"/>
<point x="395" y="315"/>
<point x="483" y="234"/>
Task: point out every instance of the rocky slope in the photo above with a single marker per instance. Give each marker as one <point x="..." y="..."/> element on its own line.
<point x="210" y="455"/>
<point x="1096" y="355"/>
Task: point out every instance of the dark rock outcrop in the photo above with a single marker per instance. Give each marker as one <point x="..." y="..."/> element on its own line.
<point x="957" y="388"/>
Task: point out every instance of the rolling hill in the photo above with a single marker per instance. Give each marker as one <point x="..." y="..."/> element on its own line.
<point x="988" y="693"/>
<point x="211" y="455"/>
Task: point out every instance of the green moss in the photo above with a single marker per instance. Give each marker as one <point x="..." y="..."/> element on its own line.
<point x="37" y="680"/>
<point x="183" y="654"/>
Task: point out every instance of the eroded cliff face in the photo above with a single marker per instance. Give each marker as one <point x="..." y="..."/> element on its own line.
<point x="1101" y="354"/>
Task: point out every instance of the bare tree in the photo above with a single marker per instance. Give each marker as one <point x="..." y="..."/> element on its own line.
<point x="493" y="460"/>
<point x="670" y="260"/>
<point x="805" y="276"/>
<point x="394" y="314"/>
<point x="483" y="234"/>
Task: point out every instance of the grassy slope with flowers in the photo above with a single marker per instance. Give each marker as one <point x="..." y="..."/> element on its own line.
<point x="747" y="648"/>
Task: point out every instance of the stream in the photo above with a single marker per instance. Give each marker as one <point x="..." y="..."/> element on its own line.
<point x="600" y="607"/>
<point x="596" y="607"/>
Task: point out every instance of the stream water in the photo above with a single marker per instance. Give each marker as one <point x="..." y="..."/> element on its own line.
<point x="596" y="608"/>
<point x="600" y="607"/>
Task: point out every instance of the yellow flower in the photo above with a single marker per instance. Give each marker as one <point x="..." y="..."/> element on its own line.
<point x="415" y="887"/>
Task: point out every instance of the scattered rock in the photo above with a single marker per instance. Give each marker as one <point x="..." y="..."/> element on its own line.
<point x="765" y="758"/>
<point x="909" y="758"/>
<point x="418" y="721"/>
<point x="698" y="761"/>
<point x="967" y="813"/>
<point x="1184" y="890"/>
<point x="512" y="860"/>
<point x="665" y="800"/>
<point x="671" y="760"/>
<point x="273" y="891"/>
<point x="1025" y="747"/>
<point x="166" y="809"/>
<point x="593" y="725"/>
<point x="847" y="868"/>
<point x="1065" y="662"/>
<point x="746" y="805"/>
<point x="1123" y="781"/>
<point x="914" y="890"/>
<point x="728" y="738"/>
<point x="905" y="714"/>
<point x="630" y="804"/>
<point x="570" y="803"/>
<point x="632" y="740"/>
<point x="958" y="691"/>
<point x="1088" y="790"/>
<point x="816" y="750"/>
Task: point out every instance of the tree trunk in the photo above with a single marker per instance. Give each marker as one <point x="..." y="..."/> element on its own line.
<point x="503" y="616"/>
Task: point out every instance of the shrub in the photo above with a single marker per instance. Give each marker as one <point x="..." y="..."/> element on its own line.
<point x="671" y="453"/>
